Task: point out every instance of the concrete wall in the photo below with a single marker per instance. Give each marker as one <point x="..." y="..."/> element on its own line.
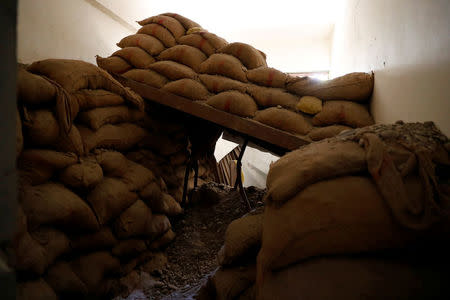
<point x="407" y="44"/>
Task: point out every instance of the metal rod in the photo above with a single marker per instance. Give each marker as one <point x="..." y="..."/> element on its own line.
<point x="238" y="182"/>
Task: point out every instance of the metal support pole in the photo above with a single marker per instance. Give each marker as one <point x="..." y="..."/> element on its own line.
<point x="238" y="183"/>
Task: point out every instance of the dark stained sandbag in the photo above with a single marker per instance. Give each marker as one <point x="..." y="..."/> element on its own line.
<point x="64" y="281"/>
<point x="100" y="240"/>
<point x="129" y="248"/>
<point x="160" y="224"/>
<point x="159" y="32"/>
<point x="149" y="77"/>
<point x="216" y="84"/>
<point x="113" y="64"/>
<point x="163" y="241"/>
<point x="184" y="54"/>
<point x="320" y="133"/>
<point x="52" y="203"/>
<point x="266" y="76"/>
<point x="188" y="88"/>
<point x="187" y="23"/>
<point x="135" y="56"/>
<point x="83" y="175"/>
<point x="97" y="117"/>
<point x="234" y="102"/>
<point x="283" y="119"/>
<point x="172" y="24"/>
<point x="35" y="290"/>
<point x="150" y="44"/>
<point x="109" y="198"/>
<point x="343" y="112"/>
<point x="33" y="89"/>
<point x="161" y="144"/>
<point x="225" y="65"/>
<point x="137" y="176"/>
<point x="173" y="70"/>
<point x="134" y="221"/>
<point x="160" y="202"/>
<point x="353" y="87"/>
<point x="267" y="97"/>
<point x="113" y="163"/>
<point x="89" y="99"/>
<point x="247" y="54"/>
<point x="199" y="42"/>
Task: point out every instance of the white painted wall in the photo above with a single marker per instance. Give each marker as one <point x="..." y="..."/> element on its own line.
<point x="407" y="44"/>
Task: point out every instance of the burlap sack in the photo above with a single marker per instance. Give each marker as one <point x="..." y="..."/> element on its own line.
<point x="64" y="281"/>
<point x="114" y="64"/>
<point x="187" y="23"/>
<point x="266" y="76"/>
<point x="163" y="241"/>
<point x="250" y="57"/>
<point x="267" y="97"/>
<point x="159" y="225"/>
<point x="137" y="176"/>
<point x="52" y="203"/>
<point x="150" y="44"/>
<point x="199" y="42"/>
<point x="179" y="158"/>
<point x="159" y="32"/>
<point x="109" y="198"/>
<point x="161" y="144"/>
<point x="234" y="102"/>
<point x="83" y="175"/>
<point x="353" y="87"/>
<point x="320" y="133"/>
<point x="33" y="89"/>
<point x="97" y="117"/>
<point x="35" y="290"/>
<point x="120" y="137"/>
<point x="100" y="240"/>
<point x="89" y="99"/>
<point x="343" y="112"/>
<point x="161" y="202"/>
<point x="149" y="77"/>
<point x="113" y="163"/>
<point x="184" y="54"/>
<point x="19" y="135"/>
<point x="216" y="84"/>
<point x="172" y="24"/>
<point x="129" y="248"/>
<point x="188" y="88"/>
<point x="230" y="283"/>
<point x="173" y="70"/>
<point x="152" y="195"/>
<point x="154" y="261"/>
<point x="225" y="65"/>
<point x="215" y="41"/>
<point x="148" y="159"/>
<point x="310" y="105"/>
<point x="283" y="119"/>
<point x="135" y="56"/>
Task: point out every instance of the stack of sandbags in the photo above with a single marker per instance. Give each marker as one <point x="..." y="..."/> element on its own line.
<point x="378" y="188"/>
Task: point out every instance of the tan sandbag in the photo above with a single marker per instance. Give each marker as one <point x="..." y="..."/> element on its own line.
<point x="155" y="261"/>
<point x="120" y="137"/>
<point x="109" y="198"/>
<point x="113" y="163"/>
<point x="64" y="281"/>
<point x="243" y="237"/>
<point x="150" y="44"/>
<point x="160" y="224"/>
<point x="146" y="158"/>
<point x="310" y="105"/>
<point x="187" y="23"/>
<point x="149" y="77"/>
<point x="134" y="221"/>
<point x="225" y="65"/>
<point x="353" y="87"/>
<point x="83" y="175"/>
<point x="129" y="248"/>
<point x="267" y="97"/>
<point x="188" y="88"/>
<point x="216" y="84"/>
<point x="33" y="89"/>
<point x="152" y="195"/>
<point x="161" y="202"/>
<point x="114" y="64"/>
<point x="184" y="54"/>
<point x="35" y="290"/>
<point x="199" y="42"/>
<point x="97" y="117"/>
<point x="135" y="56"/>
<point x="99" y="240"/>
<point x="320" y="133"/>
<point x="89" y="99"/>
<point x="137" y="176"/>
<point x="173" y="70"/>
<point x="250" y="57"/>
<point x="266" y="76"/>
<point x="343" y="112"/>
<point x="215" y="41"/>
<point x="172" y="24"/>
<point x="19" y="135"/>
<point x="283" y="119"/>
<point x="231" y="282"/>
<point x="159" y="32"/>
<point x="163" y="241"/>
<point x="52" y="203"/>
<point x="234" y="102"/>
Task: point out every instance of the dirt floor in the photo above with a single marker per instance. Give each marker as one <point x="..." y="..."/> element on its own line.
<point x="200" y="234"/>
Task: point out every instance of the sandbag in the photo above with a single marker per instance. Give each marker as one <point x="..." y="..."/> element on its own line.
<point x="33" y="89"/>
<point x="135" y="56"/>
<point x="120" y="137"/>
<point x="162" y="144"/>
<point x="64" y="281"/>
<point x="135" y="221"/>
<point x="173" y="70"/>
<point x="343" y="112"/>
<point x="187" y="23"/>
<point x="215" y="41"/>
<point x="97" y="117"/>
<point x="353" y="87"/>
<point x="231" y="282"/>
<point x="52" y="203"/>
<point x="184" y="54"/>
<point x="89" y="99"/>
<point x="163" y="241"/>
<point x="179" y="158"/>
<point x="113" y="163"/>
<point x="19" y="135"/>
<point x="267" y="97"/>
<point x="250" y="57"/>
<point x="310" y="105"/>
<point x="216" y="84"/>
<point x="283" y="119"/>
<point x="109" y="198"/>
<point x="149" y="77"/>
<point x="266" y="76"/>
<point x="160" y="202"/>
<point x="159" y="225"/>
<point x="225" y="65"/>
<point x="129" y="248"/>
<point x="35" y="290"/>
<point x="150" y="44"/>
<point x="234" y="102"/>
<point x="188" y="88"/>
<point x="100" y="240"/>
<point x="159" y="32"/>
<point x="320" y="133"/>
<point x="136" y="177"/>
<point x="83" y="175"/>
<point x="172" y="24"/>
<point x="199" y="42"/>
<point x="114" y="64"/>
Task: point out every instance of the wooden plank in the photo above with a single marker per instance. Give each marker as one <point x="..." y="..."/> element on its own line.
<point x="247" y="127"/>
